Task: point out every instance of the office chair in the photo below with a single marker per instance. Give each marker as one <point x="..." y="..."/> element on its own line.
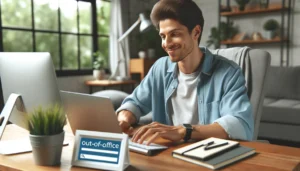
<point x="259" y="63"/>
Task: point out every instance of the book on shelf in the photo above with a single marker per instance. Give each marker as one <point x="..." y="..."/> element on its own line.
<point x="213" y="152"/>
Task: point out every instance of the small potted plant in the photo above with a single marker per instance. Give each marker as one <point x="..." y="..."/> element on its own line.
<point x="242" y="4"/>
<point x="214" y="38"/>
<point x="271" y="26"/>
<point x="226" y="32"/>
<point x="149" y="44"/>
<point x="264" y="4"/>
<point x="47" y="134"/>
<point x="99" y="66"/>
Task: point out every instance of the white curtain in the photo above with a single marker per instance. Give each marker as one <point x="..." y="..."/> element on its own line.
<point x="116" y="30"/>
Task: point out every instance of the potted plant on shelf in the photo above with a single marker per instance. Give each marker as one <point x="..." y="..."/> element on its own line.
<point x="271" y="26"/>
<point x="99" y="66"/>
<point x="149" y="44"/>
<point x="264" y="4"/>
<point x="47" y="134"/>
<point x="242" y="4"/>
<point x="214" y="38"/>
<point x="226" y="31"/>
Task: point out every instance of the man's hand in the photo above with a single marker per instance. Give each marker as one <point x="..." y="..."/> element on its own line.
<point x="155" y="130"/>
<point x="126" y="119"/>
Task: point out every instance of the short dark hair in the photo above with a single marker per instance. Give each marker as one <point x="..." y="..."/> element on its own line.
<point x="186" y="12"/>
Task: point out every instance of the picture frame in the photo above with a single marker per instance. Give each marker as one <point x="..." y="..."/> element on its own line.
<point x="100" y="150"/>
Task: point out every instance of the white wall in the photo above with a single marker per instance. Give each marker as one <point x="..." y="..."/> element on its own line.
<point x="254" y="23"/>
<point x="295" y="48"/>
<point x="210" y="13"/>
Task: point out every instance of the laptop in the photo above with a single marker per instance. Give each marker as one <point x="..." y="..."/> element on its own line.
<point x="94" y="113"/>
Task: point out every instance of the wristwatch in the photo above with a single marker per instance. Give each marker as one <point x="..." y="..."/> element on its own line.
<point x="188" y="132"/>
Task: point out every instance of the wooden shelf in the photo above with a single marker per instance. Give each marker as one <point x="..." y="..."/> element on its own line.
<point x="282" y="8"/>
<point x="273" y="8"/>
<point x="243" y="42"/>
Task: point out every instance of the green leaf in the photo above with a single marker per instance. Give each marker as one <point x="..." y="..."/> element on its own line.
<point x="48" y="121"/>
<point x="100" y="62"/>
<point x="224" y="32"/>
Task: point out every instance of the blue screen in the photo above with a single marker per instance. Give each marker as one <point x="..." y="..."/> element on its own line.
<point x="98" y="150"/>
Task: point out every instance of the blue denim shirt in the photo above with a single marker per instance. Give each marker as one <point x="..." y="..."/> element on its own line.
<point x="221" y="91"/>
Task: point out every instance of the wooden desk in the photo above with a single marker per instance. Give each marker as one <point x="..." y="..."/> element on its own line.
<point x="108" y="83"/>
<point x="269" y="158"/>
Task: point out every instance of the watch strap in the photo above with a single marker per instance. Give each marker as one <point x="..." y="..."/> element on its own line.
<point x="188" y="133"/>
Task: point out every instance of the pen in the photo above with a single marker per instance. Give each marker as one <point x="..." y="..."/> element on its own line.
<point x="207" y="144"/>
<point x="215" y="146"/>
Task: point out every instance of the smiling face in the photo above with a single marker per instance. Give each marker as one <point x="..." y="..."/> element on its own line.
<point x="177" y="41"/>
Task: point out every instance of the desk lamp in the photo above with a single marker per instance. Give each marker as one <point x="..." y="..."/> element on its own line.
<point x="144" y="26"/>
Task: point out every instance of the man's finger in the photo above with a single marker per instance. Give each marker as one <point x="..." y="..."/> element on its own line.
<point x="139" y="132"/>
<point x="157" y="124"/>
<point x="149" y="133"/>
<point x="153" y="138"/>
<point x="142" y="131"/>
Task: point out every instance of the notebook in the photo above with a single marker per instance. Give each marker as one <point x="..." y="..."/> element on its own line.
<point x="197" y="149"/>
<point x="214" y="158"/>
<point x="87" y="112"/>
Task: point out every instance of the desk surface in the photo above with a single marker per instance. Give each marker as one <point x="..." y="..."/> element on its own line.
<point x="269" y="157"/>
<point x="109" y="82"/>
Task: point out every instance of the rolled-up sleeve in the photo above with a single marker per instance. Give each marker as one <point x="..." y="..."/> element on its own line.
<point x="132" y="108"/>
<point x="139" y="102"/>
<point x="235" y="108"/>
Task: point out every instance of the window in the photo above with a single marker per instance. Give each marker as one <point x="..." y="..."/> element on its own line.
<point x="71" y="30"/>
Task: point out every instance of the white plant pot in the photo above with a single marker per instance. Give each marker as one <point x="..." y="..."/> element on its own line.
<point x="269" y="34"/>
<point x="142" y="54"/>
<point x="151" y="53"/>
<point x="99" y="74"/>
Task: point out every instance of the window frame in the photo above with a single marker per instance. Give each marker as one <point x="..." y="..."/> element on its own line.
<point x="94" y="35"/>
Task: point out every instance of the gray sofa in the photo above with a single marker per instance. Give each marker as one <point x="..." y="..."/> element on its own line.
<point x="281" y="110"/>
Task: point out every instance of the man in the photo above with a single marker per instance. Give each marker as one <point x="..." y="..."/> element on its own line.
<point x="192" y="94"/>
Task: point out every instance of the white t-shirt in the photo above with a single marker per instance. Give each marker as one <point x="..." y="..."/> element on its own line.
<point x="184" y="100"/>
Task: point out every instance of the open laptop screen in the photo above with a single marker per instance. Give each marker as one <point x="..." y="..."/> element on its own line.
<point x="87" y="112"/>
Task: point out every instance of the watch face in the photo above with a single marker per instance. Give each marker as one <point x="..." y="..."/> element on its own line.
<point x="189" y="126"/>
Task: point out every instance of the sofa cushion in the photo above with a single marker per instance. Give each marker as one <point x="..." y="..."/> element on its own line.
<point x="268" y="100"/>
<point x="281" y="111"/>
<point x="279" y="131"/>
<point x="283" y="82"/>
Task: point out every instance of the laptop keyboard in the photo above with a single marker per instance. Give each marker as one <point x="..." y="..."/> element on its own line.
<point x="152" y="146"/>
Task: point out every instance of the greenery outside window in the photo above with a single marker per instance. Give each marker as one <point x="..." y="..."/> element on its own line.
<point x="70" y="30"/>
